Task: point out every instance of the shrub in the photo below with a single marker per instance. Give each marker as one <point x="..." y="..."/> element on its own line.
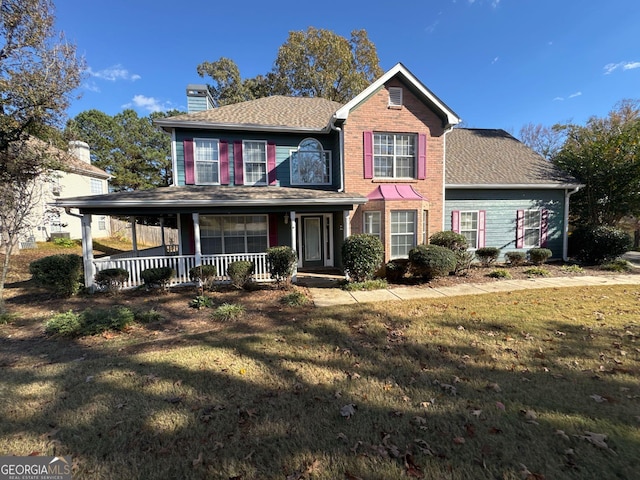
<point x="60" y="273"/>
<point x="572" y="269"/>
<point x="64" y="242"/>
<point x="227" y="312"/>
<point x="458" y="244"/>
<point x="7" y="317"/>
<point x="294" y="299"/>
<point x="66" y="324"/>
<point x="367" y="285"/>
<point x="538" y="256"/>
<point x="499" y="273"/>
<point x="598" y="244"/>
<point x="98" y="320"/>
<point x="282" y="261"/>
<point x="240" y="273"/>
<point x="455" y="242"/>
<point x="201" y="301"/>
<point x="487" y="255"/>
<point x="147" y="316"/>
<point x="157" y="277"/>
<point x="395" y="270"/>
<point x="362" y="255"/>
<point x="205" y="274"/>
<point x="111" y="279"/>
<point x="537" y="272"/>
<point x="515" y="259"/>
<point x="619" y="265"/>
<point x="431" y="261"/>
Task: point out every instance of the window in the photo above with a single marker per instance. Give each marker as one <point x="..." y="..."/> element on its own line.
<point x="532" y="225"/>
<point x="372" y="223"/>
<point x="96" y="186"/>
<point x="102" y="223"/>
<point x="254" y="155"/>
<point x="395" y="97"/>
<point x="403" y="232"/>
<point x="310" y="164"/>
<point x="394" y="155"/>
<point x="233" y="234"/>
<point x="469" y="227"/>
<point x="207" y="161"/>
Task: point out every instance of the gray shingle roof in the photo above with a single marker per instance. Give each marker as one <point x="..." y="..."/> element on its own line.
<point x="276" y="112"/>
<point x="487" y="157"/>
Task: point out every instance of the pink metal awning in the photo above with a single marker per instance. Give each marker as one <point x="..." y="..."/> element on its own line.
<point x="394" y="192"/>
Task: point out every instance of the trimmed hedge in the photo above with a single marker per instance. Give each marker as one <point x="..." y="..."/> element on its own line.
<point x="538" y="256"/>
<point x="203" y="273"/>
<point x="157" y="277"/>
<point x="240" y="273"/>
<point x="455" y="242"/>
<point x="487" y="255"/>
<point x="111" y="279"/>
<point x="515" y="259"/>
<point x="60" y="273"/>
<point x="362" y="255"/>
<point x="282" y="261"/>
<point x="431" y="261"/>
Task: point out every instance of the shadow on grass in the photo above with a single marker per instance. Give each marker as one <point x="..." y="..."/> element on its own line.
<point x="246" y="402"/>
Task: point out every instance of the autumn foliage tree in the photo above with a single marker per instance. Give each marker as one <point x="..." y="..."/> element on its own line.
<point x="311" y="63"/>
<point x="38" y="72"/>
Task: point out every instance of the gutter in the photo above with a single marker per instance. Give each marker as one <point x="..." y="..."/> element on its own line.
<point x="204" y="125"/>
<point x="565" y="227"/>
<point x="209" y="203"/>
<point x="513" y="186"/>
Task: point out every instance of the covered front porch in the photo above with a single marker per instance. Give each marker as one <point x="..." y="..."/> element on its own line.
<point x="221" y="225"/>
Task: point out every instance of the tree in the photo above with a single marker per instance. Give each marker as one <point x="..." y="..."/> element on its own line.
<point x="129" y="147"/>
<point x="315" y="63"/>
<point x="546" y="141"/>
<point x="604" y="155"/>
<point x="38" y="73"/>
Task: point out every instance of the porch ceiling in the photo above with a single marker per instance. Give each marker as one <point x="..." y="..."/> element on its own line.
<point x="211" y="198"/>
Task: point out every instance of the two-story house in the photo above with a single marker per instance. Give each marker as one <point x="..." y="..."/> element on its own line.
<point x="309" y="172"/>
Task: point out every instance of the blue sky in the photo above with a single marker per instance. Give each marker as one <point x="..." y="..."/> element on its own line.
<point x="497" y="63"/>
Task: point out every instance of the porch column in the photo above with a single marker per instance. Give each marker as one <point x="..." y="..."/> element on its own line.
<point x="294" y="243"/>
<point x="346" y="225"/>
<point x="162" y="239"/>
<point x="87" y="252"/>
<point x="196" y="237"/>
<point x="134" y="236"/>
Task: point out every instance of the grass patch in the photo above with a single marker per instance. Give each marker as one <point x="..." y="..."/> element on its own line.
<point x="376" y="284"/>
<point x="7" y="318"/>
<point x="294" y="299"/>
<point x="482" y="386"/>
<point x="201" y="301"/>
<point x="499" y="273"/>
<point x="228" y="312"/>
<point x="572" y="269"/>
<point x="537" y="272"/>
<point x="619" y="265"/>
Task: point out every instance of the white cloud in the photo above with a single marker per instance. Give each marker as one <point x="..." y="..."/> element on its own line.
<point x="91" y="87"/>
<point x="113" y="73"/>
<point x="612" y="67"/>
<point x="150" y="104"/>
<point x="432" y="28"/>
<point x="558" y="99"/>
<point x="574" y="95"/>
<point x="495" y="60"/>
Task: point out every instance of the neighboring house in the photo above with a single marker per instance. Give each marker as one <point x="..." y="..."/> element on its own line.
<point x="76" y="177"/>
<point x="309" y="172"/>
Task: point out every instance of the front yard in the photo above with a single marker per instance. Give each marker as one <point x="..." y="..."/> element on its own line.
<point x="531" y="384"/>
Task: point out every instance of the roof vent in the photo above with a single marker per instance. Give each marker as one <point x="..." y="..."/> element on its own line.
<point x="395" y="97"/>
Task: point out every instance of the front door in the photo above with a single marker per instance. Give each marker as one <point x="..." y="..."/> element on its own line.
<point x="312" y="241"/>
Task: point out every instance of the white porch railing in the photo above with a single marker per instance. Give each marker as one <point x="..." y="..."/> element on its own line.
<point x="181" y="265"/>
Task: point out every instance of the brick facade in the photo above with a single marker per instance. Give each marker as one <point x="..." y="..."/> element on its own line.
<point x="414" y="117"/>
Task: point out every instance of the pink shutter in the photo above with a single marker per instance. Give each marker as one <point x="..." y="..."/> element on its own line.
<point x="482" y="221"/>
<point x="455" y="221"/>
<point x="544" y="227"/>
<point x="368" y="154"/>
<point x="189" y="164"/>
<point x="238" y="172"/>
<point x="422" y="156"/>
<point x="273" y="230"/>
<point x="271" y="163"/>
<point x="224" y="163"/>
<point x="520" y="229"/>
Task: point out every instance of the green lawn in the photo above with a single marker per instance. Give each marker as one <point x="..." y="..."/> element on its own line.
<point x="532" y="384"/>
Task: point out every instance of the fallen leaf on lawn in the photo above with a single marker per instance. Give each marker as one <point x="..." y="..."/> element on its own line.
<point x="495" y="430"/>
<point x="597" y="439"/>
<point x="411" y="469"/>
<point x="89" y="379"/>
<point x="561" y="433"/>
<point x="494" y="386"/>
<point x="34" y="454"/>
<point x="424" y="446"/>
<point x="351" y="476"/>
<point x="598" y="398"/>
<point x="476" y="413"/>
<point x="197" y="461"/>
<point x="599" y="315"/>
<point x="354" y="449"/>
<point x="419" y="420"/>
<point x="458" y="440"/>
<point x="529" y="414"/>
<point x="341" y="436"/>
<point x="500" y="405"/>
<point x="243" y="371"/>
<point x="348" y="410"/>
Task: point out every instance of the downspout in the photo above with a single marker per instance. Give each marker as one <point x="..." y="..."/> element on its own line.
<point x="444" y="170"/>
<point x="565" y="227"/>
<point x="341" y="148"/>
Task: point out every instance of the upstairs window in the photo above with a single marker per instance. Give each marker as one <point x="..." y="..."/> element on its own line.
<point x="96" y="187"/>
<point x="310" y="164"/>
<point x="394" y="155"/>
<point x="207" y="161"/>
<point x="255" y="162"/>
